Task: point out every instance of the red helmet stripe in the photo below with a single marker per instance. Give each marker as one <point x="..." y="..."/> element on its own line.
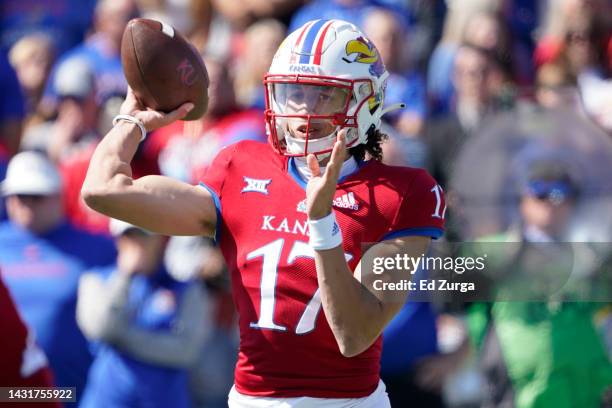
<point x="319" y="49"/>
<point x="299" y="39"/>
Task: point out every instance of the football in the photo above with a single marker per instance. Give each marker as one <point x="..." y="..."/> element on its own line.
<point x="163" y="68"/>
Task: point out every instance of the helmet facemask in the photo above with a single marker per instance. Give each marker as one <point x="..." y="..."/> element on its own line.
<point x="305" y="112"/>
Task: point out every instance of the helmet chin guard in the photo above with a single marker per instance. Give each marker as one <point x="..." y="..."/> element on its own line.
<point x="324" y="77"/>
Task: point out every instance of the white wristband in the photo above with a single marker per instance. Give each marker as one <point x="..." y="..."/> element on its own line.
<point x="325" y="232"/>
<point x="135" y="120"/>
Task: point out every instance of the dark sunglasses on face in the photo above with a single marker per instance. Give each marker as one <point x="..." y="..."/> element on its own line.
<point x="35" y="198"/>
<point x="556" y="192"/>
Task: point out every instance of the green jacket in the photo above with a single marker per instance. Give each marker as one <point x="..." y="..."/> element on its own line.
<point x="553" y="354"/>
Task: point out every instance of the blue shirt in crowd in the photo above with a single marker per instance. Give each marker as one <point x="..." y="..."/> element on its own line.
<point x="104" y="63"/>
<point x="65" y="21"/>
<point x="333" y="9"/>
<point x="119" y="380"/>
<point x="410" y="336"/>
<point x="42" y="273"/>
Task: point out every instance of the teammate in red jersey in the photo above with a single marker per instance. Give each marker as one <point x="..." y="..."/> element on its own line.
<point x="291" y="217"/>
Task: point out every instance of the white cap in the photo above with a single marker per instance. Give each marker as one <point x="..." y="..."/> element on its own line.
<point x="31" y="173"/>
<point x="117" y="227"/>
<point x="74" y="77"/>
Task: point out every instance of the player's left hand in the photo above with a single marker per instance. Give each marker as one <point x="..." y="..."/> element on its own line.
<point x="322" y="187"/>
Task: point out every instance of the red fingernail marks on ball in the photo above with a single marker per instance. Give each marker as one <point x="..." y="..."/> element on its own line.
<point x="187" y="72"/>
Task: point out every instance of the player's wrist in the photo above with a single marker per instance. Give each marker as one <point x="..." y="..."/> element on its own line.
<point x="324" y="232"/>
<point x="317" y="215"/>
<point x="134" y="122"/>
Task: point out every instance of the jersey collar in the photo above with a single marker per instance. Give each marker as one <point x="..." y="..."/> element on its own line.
<point x="349" y="167"/>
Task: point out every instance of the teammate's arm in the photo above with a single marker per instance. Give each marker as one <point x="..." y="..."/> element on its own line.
<point x="156" y="203"/>
<point x="356" y="314"/>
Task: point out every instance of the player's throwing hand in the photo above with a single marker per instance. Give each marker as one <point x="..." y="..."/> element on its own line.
<point x="152" y="119"/>
<point x="322" y="187"/>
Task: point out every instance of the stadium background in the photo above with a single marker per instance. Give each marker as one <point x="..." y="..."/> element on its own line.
<point x="459" y="65"/>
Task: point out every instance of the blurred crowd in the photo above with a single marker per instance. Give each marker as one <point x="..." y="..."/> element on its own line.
<point x="135" y="319"/>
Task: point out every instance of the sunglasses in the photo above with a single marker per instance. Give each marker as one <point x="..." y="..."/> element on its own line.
<point x="31" y="198"/>
<point x="556" y="192"/>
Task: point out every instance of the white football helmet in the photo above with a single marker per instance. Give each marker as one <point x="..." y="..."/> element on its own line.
<point x="325" y="76"/>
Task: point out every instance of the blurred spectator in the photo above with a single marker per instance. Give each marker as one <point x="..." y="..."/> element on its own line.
<point x="413" y="367"/>
<point x="474" y="101"/>
<point x="102" y="49"/>
<point x="259" y="44"/>
<point x="578" y="37"/>
<point x="352" y="11"/>
<point x="185" y="149"/>
<point x="72" y="137"/>
<point x="183" y="15"/>
<point x="32" y="57"/>
<point x="150" y="327"/>
<point x="399" y="150"/>
<point x="583" y="49"/>
<point x="441" y="62"/>
<point x="524" y="18"/>
<point x="491" y="32"/>
<point x="73" y="172"/>
<point x="198" y="20"/>
<point x="426" y="19"/>
<point x="597" y="102"/>
<point x="12" y="111"/>
<point x="561" y="15"/>
<point x="548" y="198"/>
<point x="75" y="127"/>
<point x="556" y="87"/>
<point x="242" y="13"/>
<point x="384" y="29"/>
<point x="485" y="29"/>
<point x="24" y="364"/>
<point x="64" y="21"/>
<point x="212" y="376"/>
<point x="543" y="353"/>
<point x="42" y="257"/>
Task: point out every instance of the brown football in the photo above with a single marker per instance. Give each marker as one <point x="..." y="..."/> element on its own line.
<point x="162" y="68"/>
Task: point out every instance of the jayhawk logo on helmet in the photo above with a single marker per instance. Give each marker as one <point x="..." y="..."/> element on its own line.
<point x="363" y="51"/>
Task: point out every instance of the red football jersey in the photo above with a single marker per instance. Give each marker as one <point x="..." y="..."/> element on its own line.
<point x="287" y="348"/>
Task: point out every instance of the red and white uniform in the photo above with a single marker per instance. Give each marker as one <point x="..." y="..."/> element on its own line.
<point x="287" y="348"/>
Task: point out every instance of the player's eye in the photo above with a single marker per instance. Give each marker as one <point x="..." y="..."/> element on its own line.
<point x="296" y="95"/>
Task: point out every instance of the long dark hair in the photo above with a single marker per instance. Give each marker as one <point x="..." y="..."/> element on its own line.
<point x="373" y="147"/>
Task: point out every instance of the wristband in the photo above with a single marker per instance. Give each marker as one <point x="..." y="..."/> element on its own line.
<point x="325" y="233"/>
<point x="135" y="120"/>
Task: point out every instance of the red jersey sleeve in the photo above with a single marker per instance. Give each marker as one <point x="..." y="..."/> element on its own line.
<point x="215" y="175"/>
<point x="421" y="210"/>
<point x="214" y="179"/>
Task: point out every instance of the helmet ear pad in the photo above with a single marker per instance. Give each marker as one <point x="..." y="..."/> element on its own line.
<point x="329" y="53"/>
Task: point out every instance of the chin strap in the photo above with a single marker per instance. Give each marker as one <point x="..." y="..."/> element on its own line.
<point x="393" y="107"/>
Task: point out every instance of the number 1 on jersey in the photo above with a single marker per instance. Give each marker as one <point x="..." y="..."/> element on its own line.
<point x="271" y="257"/>
<point x="437" y="190"/>
<point x="271" y="254"/>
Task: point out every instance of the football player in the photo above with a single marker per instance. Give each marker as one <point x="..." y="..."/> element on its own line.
<point x="291" y="218"/>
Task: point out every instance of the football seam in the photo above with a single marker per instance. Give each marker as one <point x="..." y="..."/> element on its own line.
<point x="144" y="83"/>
